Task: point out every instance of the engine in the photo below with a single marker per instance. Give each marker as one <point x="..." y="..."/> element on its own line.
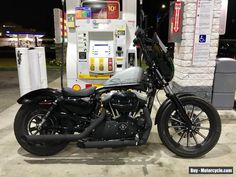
<point x="124" y="117"/>
<point x="123" y="102"/>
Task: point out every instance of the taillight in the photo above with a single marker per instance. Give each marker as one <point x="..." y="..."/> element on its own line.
<point x="45" y="104"/>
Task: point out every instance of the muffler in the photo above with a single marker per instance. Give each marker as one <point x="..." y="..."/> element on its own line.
<point x="66" y="137"/>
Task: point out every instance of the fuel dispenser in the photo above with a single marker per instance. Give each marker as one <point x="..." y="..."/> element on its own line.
<point x="100" y="40"/>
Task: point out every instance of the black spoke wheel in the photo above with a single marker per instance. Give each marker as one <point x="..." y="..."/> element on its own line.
<point x="27" y="121"/>
<point x="35" y="120"/>
<point x="192" y="141"/>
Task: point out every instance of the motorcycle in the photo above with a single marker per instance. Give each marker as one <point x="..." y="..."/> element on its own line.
<point x="118" y="114"/>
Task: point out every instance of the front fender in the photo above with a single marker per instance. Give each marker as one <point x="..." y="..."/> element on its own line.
<point x="29" y="97"/>
<point x="166" y="103"/>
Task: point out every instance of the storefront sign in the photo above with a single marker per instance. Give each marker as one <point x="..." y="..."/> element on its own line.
<point x="176" y="18"/>
<point x="201" y="48"/>
<point x="175" y="21"/>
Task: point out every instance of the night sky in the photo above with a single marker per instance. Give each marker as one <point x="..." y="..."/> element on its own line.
<point x="30" y="14"/>
<point x="231" y="21"/>
<point x="39" y="14"/>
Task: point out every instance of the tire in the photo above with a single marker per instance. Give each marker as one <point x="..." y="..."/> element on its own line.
<point x="21" y="128"/>
<point x="204" y="133"/>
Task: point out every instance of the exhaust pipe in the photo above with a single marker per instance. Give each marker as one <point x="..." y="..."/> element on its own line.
<point x="67" y="137"/>
<point x="107" y="144"/>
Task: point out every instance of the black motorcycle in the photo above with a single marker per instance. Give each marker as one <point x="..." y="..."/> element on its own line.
<point x="118" y="114"/>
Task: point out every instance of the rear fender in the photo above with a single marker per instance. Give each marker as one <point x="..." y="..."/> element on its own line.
<point x="166" y="103"/>
<point x="32" y="96"/>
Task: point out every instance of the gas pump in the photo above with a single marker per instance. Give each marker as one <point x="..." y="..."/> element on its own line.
<point x="100" y="37"/>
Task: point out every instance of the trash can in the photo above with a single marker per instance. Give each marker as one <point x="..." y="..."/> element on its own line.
<point x="35" y="74"/>
<point x="224" y="84"/>
<point x="42" y="66"/>
<point x="23" y="68"/>
<point x="31" y="66"/>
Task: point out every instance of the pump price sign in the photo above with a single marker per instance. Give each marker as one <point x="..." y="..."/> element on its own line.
<point x="113" y="10"/>
<point x="99" y="10"/>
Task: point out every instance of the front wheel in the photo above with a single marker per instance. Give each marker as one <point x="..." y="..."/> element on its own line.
<point x="197" y="140"/>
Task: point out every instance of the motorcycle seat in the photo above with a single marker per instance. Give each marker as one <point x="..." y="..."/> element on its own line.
<point x="81" y="93"/>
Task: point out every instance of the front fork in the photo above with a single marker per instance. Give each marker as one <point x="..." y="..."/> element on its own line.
<point x="179" y="106"/>
<point x="172" y="96"/>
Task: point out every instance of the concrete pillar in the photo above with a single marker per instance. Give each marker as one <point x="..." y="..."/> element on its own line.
<point x="59" y="52"/>
<point x="196" y="77"/>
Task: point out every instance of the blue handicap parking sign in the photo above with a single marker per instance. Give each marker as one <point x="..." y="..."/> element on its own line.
<point x="202" y="38"/>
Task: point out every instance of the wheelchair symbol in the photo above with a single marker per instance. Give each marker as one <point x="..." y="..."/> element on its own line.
<point x="202" y="38"/>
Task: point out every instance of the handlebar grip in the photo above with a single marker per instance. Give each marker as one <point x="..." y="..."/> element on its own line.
<point x="135" y="42"/>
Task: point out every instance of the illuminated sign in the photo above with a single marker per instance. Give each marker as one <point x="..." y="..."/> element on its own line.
<point x="83" y="12"/>
<point x="60" y="30"/>
<point x="99" y="10"/>
<point x="113" y="10"/>
<point x="175" y="21"/>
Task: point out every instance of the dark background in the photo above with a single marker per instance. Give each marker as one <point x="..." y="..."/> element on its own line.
<point x="39" y="15"/>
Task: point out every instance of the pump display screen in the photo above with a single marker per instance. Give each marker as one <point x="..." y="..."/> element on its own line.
<point x="101" y="50"/>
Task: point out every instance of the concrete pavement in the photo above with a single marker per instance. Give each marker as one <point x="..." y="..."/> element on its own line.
<point x="152" y="159"/>
<point x="9" y="86"/>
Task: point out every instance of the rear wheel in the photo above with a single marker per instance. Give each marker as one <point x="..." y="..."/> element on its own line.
<point x="26" y="123"/>
<point x="197" y="140"/>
